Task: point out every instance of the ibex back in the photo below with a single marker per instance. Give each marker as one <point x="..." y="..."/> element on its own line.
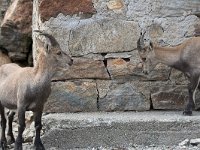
<point x="184" y="57"/>
<point x="28" y="88"/>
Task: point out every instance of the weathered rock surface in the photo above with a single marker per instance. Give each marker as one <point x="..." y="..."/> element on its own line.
<point x="72" y="97"/>
<point x="167" y="96"/>
<point x="3" y="7"/>
<point x="129" y="68"/>
<point x="51" y="8"/>
<point x="102" y="38"/>
<point x="120" y="130"/>
<point x="84" y="68"/>
<point x="122" y="97"/>
<point x="16" y="29"/>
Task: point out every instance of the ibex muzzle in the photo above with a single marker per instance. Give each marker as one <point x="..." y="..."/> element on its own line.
<point x="146" y="54"/>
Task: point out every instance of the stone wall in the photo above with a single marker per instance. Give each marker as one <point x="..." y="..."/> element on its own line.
<point x="101" y="37"/>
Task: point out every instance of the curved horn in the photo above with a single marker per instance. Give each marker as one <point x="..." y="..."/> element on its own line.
<point x="50" y="37"/>
<point x="140" y="42"/>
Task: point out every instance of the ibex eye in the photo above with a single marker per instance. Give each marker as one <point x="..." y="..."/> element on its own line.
<point x="58" y="53"/>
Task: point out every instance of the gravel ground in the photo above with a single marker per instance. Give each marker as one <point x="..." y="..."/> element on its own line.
<point x="187" y="144"/>
<point x="28" y="146"/>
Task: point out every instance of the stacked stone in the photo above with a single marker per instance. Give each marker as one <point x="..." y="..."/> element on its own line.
<point x="101" y="36"/>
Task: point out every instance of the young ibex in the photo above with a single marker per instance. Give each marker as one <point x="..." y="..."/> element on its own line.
<point x="28" y="88"/>
<point x="184" y="57"/>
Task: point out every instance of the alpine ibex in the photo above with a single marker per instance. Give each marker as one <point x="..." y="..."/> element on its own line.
<point x="184" y="57"/>
<point x="27" y="89"/>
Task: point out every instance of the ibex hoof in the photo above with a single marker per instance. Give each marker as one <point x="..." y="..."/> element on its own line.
<point x="187" y="112"/>
<point x="39" y="146"/>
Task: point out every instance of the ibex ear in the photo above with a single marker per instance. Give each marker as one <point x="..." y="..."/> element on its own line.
<point x="44" y="46"/>
<point x="151" y="46"/>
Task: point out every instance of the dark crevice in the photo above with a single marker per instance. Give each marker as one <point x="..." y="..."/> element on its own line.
<point x="197" y="14"/>
<point x="126" y="59"/>
<point x="103" y="54"/>
<point x="97" y="96"/>
<point x="151" y="103"/>
<point x="105" y="64"/>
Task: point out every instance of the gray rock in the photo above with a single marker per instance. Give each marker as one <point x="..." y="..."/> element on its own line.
<point x="162" y="8"/>
<point x="15" y="35"/>
<point x="103" y="36"/>
<point x="195" y="141"/>
<point x="124" y="97"/>
<point x="72" y="96"/>
<point x="168" y="96"/>
<point x="185" y="142"/>
<point x="83" y="68"/>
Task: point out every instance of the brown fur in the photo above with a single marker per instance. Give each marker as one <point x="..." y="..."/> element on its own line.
<point x="184" y="57"/>
<point x="28" y="88"/>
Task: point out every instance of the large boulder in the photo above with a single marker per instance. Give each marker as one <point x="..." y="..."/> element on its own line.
<point x="123" y="97"/>
<point x="72" y="97"/>
<point x="16" y="30"/>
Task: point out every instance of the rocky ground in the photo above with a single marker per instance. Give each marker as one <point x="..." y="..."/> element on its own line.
<point x="28" y="146"/>
<point x="72" y="123"/>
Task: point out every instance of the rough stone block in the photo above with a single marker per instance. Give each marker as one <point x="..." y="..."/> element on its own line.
<point x="122" y="97"/>
<point x="73" y="96"/>
<point x="51" y="8"/>
<point x="103" y="36"/>
<point x="16" y="28"/>
<point x="84" y="68"/>
<point x="168" y="97"/>
<point x="162" y="8"/>
<point x="118" y="67"/>
<point x="128" y="68"/>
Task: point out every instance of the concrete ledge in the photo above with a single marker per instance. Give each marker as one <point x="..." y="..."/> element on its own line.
<point x="118" y="129"/>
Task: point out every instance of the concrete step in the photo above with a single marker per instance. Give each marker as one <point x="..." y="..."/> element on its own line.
<point x="118" y="129"/>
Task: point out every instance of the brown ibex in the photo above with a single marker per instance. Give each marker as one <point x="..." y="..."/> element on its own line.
<point x="27" y="89"/>
<point x="184" y="57"/>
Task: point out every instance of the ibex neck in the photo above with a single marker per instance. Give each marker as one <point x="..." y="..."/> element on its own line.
<point x="167" y="55"/>
<point x="43" y="68"/>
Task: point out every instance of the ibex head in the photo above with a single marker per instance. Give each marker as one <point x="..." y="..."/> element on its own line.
<point x="147" y="54"/>
<point x="51" y="49"/>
